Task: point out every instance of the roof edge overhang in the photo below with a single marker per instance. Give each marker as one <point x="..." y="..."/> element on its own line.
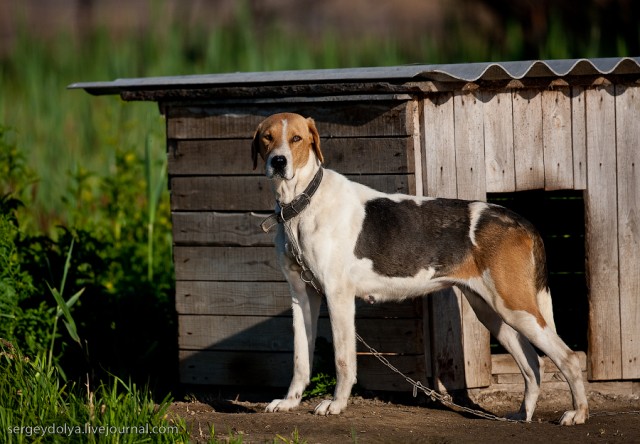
<point x="392" y="79"/>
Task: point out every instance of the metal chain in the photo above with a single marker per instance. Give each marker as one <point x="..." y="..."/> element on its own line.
<point x="306" y="274"/>
<point x="444" y="399"/>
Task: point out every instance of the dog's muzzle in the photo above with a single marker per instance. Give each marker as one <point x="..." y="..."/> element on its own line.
<point x="278" y="166"/>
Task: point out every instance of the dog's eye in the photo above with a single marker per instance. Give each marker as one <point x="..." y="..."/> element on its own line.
<point x="268" y="137"/>
<point x="296" y="139"/>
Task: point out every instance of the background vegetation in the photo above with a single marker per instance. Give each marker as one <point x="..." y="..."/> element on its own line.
<point x="90" y="172"/>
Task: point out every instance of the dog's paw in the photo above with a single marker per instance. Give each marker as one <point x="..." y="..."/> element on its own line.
<point x="330" y="407"/>
<point x="573" y="417"/>
<point x="282" y="405"/>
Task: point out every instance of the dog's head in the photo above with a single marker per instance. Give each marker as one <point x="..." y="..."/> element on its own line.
<point x="285" y="141"/>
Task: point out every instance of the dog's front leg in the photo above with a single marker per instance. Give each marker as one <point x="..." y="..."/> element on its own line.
<point x="342" y="314"/>
<point x="306" y="307"/>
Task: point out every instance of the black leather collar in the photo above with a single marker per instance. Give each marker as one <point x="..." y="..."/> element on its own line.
<point x="295" y="207"/>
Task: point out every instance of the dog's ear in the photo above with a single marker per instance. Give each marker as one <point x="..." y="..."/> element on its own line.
<point x="316" y="138"/>
<point x="255" y="147"/>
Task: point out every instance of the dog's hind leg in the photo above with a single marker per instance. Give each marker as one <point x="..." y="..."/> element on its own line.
<point x="528" y="361"/>
<point x="548" y="341"/>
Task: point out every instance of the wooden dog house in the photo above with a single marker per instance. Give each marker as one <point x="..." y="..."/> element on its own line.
<point x="461" y="130"/>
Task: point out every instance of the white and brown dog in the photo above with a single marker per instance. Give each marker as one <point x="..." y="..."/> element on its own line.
<point x="359" y="242"/>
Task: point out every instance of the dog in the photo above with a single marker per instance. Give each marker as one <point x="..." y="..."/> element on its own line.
<point x="349" y="240"/>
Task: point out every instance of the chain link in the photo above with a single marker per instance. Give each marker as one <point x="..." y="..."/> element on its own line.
<point x="444" y="399"/>
<point x="306" y="274"/>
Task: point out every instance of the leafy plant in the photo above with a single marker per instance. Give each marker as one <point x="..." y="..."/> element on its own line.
<point x="36" y="407"/>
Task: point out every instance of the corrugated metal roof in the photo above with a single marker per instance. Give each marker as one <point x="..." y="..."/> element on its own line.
<point x="465" y="72"/>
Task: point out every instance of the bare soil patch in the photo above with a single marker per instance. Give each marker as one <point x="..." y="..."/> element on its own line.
<point x="403" y="419"/>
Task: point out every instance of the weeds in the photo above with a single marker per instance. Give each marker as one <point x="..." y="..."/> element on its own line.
<point x="36" y="407"/>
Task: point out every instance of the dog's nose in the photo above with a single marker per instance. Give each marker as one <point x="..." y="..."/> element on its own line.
<point x="278" y="163"/>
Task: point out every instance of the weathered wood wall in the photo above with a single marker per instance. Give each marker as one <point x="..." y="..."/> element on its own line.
<point x="233" y="304"/>
<point x="580" y="138"/>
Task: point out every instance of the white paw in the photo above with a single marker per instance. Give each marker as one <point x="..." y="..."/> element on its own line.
<point x="573" y="417"/>
<point x="282" y="405"/>
<point x="329" y="407"/>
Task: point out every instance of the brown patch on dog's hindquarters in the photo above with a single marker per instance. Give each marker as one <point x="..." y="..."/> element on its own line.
<point x="508" y="254"/>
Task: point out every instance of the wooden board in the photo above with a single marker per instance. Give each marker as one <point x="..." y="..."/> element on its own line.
<point x="556" y="139"/>
<point x="469" y="146"/>
<point x="439" y="157"/>
<point x="578" y="138"/>
<point x="220" y="229"/>
<point x="270" y="299"/>
<point x="274" y="369"/>
<point x="443" y="310"/>
<point x="359" y="155"/>
<point x="628" y="172"/>
<point x="602" y="236"/>
<point x="446" y="348"/>
<point x="471" y="181"/>
<point x="347" y="119"/>
<point x="272" y="333"/>
<point x="527" y="139"/>
<point x="498" y="142"/>
<point x="253" y="193"/>
<point x="233" y="298"/>
<point x="226" y="264"/>
<point x="373" y="375"/>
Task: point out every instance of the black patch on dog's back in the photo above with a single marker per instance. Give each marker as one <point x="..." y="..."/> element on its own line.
<point x="401" y="238"/>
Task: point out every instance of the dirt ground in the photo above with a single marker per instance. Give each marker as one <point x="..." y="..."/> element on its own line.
<point x="404" y="419"/>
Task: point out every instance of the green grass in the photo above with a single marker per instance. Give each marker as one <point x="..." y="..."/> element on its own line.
<point x="35" y="406"/>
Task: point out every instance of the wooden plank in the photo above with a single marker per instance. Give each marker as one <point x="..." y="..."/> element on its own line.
<point x="360" y="155"/>
<point x="235" y="368"/>
<point x="446" y="332"/>
<point x="578" y="138"/>
<point x="628" y="172"/>
<point x="233" y="298"/>
<point x="214" y="228"/>
<point x="444" y="308"/>
<point x="498" y="142"/>
<point x="226" y="264"/>
<point x="274" y="369"/>
<point x="471" y="180"/>
<point x="347" y="119"/>
<point x="439" y="158"/>
<point x="527" y="139"/>
<point x="222" y="193"/>
<point x="469" y="146"/>
<point x="601" y="236"/>
<point x="556" y="139"/>
<point x="269" y="333"/>
<point x="373" y="375"/>
<point x="269" y="299"/>
<point x="253" y="193"/>
<point x="369" y="155"/>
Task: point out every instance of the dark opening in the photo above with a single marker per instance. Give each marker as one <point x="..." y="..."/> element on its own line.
<point x="559" y="217"/>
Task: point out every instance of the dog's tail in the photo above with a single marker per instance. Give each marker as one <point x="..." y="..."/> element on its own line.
<point x="543" y="296"/>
